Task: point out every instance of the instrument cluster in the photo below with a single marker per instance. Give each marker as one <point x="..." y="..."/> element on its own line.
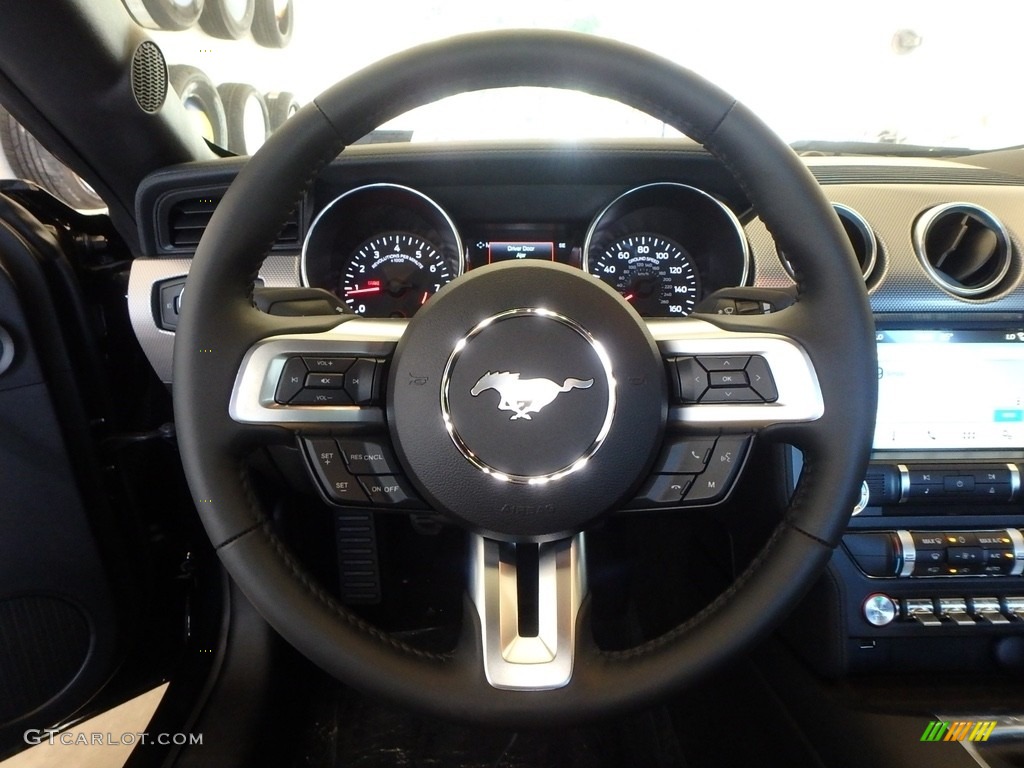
<point x="385" y="249"/>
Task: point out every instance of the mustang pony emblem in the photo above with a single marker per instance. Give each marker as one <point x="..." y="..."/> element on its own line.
<point x="524" y="396"/>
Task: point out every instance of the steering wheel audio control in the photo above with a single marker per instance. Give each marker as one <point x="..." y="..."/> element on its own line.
<point x="328" y="380"/>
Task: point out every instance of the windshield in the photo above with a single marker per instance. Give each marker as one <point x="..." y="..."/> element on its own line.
<point x="916" y="72"/>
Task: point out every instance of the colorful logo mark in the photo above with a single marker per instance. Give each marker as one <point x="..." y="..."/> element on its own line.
<point x="938" y="730"/>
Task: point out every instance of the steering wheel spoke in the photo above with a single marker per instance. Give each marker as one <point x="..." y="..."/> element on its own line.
<point x="527" y="597"/>
<point x="724" y="387"/>
<point x="332" y="380"/>
<point x="735" y="380"/>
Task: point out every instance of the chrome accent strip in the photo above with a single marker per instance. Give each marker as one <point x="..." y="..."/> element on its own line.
<point x="1014" y="481"/>
<point x="922" y="610"/>
<point x="866" y="232"/>
<point x="800" y="398"/>
<point x="908" y="553"/>
<point x="904" y="483"/>
<point x="577" y="464"/>
<point x="1018" y="551"/>
<point x="460" y="266"/>
<point x="139" y="12"/>
<point x="278" y="271"/>
<point x="863" y="501"/>
<point x="924" y="223"/>
<point x="955" y="609"/>
<point x="741" y="233"/>
<point x="6" y="350"/>
<point x="511" y="661"/>
<point x="1014" y="606"/>
<point x="989" y="609"/>
<point x="252" y="397"/>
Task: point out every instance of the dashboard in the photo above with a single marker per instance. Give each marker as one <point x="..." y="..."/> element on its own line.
<point x="934" y="547"/>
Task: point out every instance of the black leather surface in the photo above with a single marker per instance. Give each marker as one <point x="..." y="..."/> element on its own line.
<point x="831" y="318"/>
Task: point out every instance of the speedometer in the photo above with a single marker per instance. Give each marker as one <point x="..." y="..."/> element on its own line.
<point x="393" y="275"/>
<point x="652" y="272"/>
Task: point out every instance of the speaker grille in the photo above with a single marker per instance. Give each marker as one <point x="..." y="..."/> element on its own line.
<point x="45" y="642"/>
<point x="149" y="77"/>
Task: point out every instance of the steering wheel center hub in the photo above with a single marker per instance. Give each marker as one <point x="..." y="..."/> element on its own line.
<point x="528" y="396"/>
<point x="525" y="400"/>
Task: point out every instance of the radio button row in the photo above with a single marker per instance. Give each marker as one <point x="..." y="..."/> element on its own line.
<point x="329" y="380"/>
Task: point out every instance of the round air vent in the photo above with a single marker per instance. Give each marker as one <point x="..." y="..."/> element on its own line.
<point x="963" y="247"/>
<point x="862" y="238"/>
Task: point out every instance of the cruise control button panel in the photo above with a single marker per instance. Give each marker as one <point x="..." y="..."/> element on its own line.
<point x="330" y="380"/>
<point x="722" y="379"/>
<point x="360" y="472"/>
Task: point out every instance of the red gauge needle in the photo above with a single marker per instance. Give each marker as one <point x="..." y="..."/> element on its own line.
<point x="424" y="299"/>
<point x="629" y="297"/>
<point x="357" y="291"/>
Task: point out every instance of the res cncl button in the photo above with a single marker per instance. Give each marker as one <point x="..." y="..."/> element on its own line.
<point x="328" y="380"/>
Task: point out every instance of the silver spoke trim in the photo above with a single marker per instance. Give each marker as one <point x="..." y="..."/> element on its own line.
<point x="252" y="398"/>
<point x="521" y="663"/>
<point x="800" y="398"/>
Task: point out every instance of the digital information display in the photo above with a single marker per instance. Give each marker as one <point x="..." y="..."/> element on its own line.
<point x="512" y="251"/>
<point x="950" y="390"/>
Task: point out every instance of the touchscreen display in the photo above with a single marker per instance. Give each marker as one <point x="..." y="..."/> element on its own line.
<point x="943" y="390"/>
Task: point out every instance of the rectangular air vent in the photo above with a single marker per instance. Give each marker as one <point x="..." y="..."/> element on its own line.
<point x="188" y="216"/>
<point x="187" y="220"/>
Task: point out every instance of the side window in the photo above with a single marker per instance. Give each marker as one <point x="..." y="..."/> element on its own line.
<point x="22" y="157"/>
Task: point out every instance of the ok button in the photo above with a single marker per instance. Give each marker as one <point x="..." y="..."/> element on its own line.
<point x="728" y="379"/>
<point x="958" y="484"/>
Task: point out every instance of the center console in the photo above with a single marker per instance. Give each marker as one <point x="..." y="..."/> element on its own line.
<point x="930" y="573"/>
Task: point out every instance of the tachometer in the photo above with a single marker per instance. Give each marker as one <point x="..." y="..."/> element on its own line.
<point x="652" y="272"/>
<point x="383" y="249"/>
<point x="393" y="275"/>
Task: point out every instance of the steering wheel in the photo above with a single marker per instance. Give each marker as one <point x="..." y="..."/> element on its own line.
<point x="524" y="401"/>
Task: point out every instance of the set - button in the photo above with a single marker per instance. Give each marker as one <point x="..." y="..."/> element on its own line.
<point x="356" y="471"/>
<point x="330" y="380"/>
<point x="722" y="379"/>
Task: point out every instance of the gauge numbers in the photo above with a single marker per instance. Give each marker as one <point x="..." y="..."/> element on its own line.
<point x="393" y="275"/>
<point x="652" y="272"/>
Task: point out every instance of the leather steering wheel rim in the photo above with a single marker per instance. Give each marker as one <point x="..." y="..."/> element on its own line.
<point x="831" y="319"/>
